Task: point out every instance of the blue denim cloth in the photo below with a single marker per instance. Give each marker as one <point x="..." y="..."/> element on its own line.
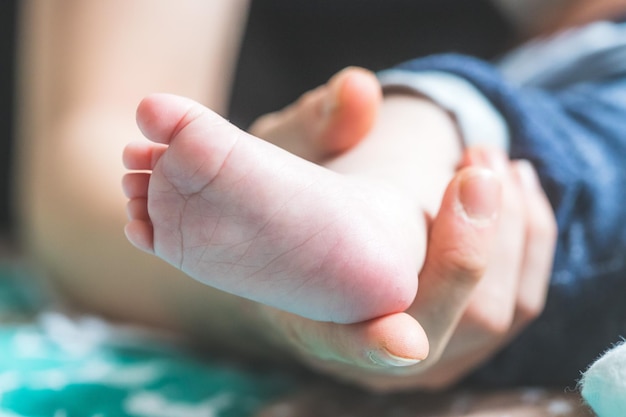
<point x="575" y="136"/>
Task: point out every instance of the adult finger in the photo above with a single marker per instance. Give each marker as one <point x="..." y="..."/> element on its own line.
<point x="382" y="344"/>
<point x="490" y="312"/>
<point x="523" y="274"/>
<point x="489" y="315"/>
<point x="459" y="248"/>
<point x="325" y="121"/>
<point x="541" y="235"/>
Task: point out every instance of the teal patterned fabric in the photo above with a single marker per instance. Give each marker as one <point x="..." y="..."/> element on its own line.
<point x="51" y="365"/>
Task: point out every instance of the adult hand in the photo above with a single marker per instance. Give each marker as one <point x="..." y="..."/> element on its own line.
<point x="509" y="293"/>
<point x="381" y="353"/>
<point x="482" y="282"/>
<point x="474" y="295"/>
<point x="327" y="120"/>
<point x="513" y="288"/>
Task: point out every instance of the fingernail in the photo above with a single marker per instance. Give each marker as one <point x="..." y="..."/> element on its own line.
<point x="479" y="195"/>
<point x="527" y="175"/>
<point x="384" y="358"/>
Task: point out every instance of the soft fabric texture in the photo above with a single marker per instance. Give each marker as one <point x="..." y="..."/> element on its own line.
<point x="604" y="383"/>
<point x="476" y="118"/>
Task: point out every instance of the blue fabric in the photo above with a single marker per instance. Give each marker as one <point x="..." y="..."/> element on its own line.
<point x="575" y="136"/>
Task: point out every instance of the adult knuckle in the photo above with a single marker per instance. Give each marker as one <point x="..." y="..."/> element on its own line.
<point x="491" y="319"/>
<point x="465" y="265"/>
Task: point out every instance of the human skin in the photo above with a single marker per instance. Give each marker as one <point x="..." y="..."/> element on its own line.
<point x="246" y="217"/>
<point x="74" y="122"/>
<point x="493" y="322"/>
<point x="509" y="293"/>
<point x="209" y="159"/>
<point x="94" y="62"/>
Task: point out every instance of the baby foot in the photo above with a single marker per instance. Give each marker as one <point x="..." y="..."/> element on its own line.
<point x="251" y="219"/>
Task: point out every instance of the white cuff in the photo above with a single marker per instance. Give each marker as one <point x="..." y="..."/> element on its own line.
<point x="478" y="120"/>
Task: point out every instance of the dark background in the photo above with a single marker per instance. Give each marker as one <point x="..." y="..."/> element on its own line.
<point x="291" y="46"/>
<point x="7" y="52"/>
